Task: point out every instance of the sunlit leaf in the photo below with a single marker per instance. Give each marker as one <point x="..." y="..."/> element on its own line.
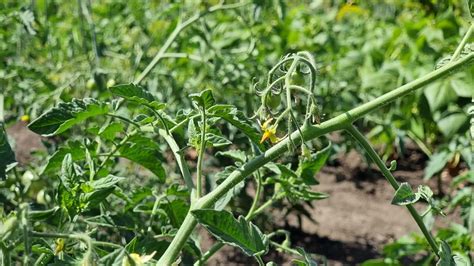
<point x="132" y="92"/>
<point x="136" y="93"/>
<point x="214" y="140"/>
<point x="405" y="195"/>
<point x="445" y="255"/>
<point x="66" y="115"/>
<point x="308" y="168"/>
<point x="236" y="118"/>
<point x="74" y="148"/>
<point x="439" y="94"/>
<point x="236" y="155"/>
<point x="110" y="131"/>
<point x="236" y="232"/>
<point x="203" y="99"/>
<point x="146" y="152"/>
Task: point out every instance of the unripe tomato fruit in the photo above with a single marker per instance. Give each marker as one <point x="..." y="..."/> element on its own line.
<point x="91" y="85"/>
<point x="272" y="101"/>
<point x="110" y="83"/>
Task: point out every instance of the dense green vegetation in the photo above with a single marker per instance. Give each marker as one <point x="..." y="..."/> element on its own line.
<point x="157" y="116"/>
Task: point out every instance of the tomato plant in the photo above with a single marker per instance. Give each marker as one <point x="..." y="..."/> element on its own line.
<point x="148" y="136"/>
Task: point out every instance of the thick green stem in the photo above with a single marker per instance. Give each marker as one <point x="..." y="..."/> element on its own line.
<point x="308" y="132"/>
<point x="5" y="258"/>
<point x="26" y="238"/>
<point x="202" y="149"/>
<point x="463" y="43"/>
<point x="391" y="179"/>
<point x="257" y="196"/>
<point x="173" y="250"/>
<point x="216" y="247"/>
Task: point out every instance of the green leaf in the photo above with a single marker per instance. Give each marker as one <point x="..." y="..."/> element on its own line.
<point x="236" y="118"/>
<point x="405" y="195"/>
<point x="176" y="211"/>
<point x="445" y="255"/>
<point x="110" y="131"/>
<point x="67" y="172"/>
<point x="76" y="150"/>
<point x="425" y="192"/>
<point x="308" y="168"/>
<point x="452" y="123"/>
<point x="224" y="200"/>
<point x="220" y="177"/>
<point x="434" y="37"/>
<point x="137" y="196"/>
<point x="27" y="17"/>
<point x="308" y="261"/>
<point x="100" y="190"/>
<point x="6" y="153"/>
<point x="462" y="86"/>
<point x="66" y="115"/>
<point x="106" y="182"/>
<point x="293" y="186"/>
<point x="132" y="92"/>
<point x="239" y="233"/>
<point x="145" y="152"/>
<point x="214" y="140"/>
<point x="203" y="99"/>
<point x="138" y="94"/>
<point x="236" y="155"/>
<point x="437" y="163"/>
<point x="439" y="94"/>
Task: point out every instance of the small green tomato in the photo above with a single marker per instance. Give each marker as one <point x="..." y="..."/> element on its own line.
<point x="110" y="83"/>
<point x="272" y="101"/>
<point x="91" y="85"/>
<point x="8" y="226"/>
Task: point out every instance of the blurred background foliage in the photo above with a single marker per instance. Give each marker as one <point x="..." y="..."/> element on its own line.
<point x="53" y="51"/>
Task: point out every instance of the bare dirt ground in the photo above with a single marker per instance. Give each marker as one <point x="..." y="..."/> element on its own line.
<point x="355" y="222"/>
<point x="24" y="141"/>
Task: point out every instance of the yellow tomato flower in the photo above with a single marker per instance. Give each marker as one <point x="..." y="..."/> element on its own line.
<point x="25" y="118"/>
<point x="269" y="132"/>
<point x="137" y="259"/>
<point x="59" y="246"/>
<point x="349" y="8"/>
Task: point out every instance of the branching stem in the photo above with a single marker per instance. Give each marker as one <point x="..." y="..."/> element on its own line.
<point x="391" y="179"/>
<point x="308" y="132"/>
<point x="463" y="43"/>
<point x="202" y="149"/>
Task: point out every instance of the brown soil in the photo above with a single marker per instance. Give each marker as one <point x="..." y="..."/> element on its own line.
<point x="24" y="142"/>
<point x="355" y="222"/>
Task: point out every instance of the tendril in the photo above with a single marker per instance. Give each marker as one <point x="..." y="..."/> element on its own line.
<point x="282" y="90"/>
